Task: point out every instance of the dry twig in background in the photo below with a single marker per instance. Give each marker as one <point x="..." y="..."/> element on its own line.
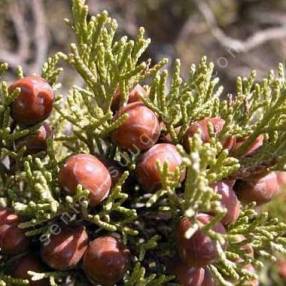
<point x="32" y="45"/>
<point x="239" y="46"/>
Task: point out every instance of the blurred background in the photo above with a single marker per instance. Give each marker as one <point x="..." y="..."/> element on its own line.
<point x="237" y="35"/>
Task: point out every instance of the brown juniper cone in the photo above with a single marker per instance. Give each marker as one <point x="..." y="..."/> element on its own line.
<point x="12" y="239"/>
<point x="147" y="171"/>
<point x="200" y="250"/>
<point x="7" y="216"/>
<point x="281" y="268"/>
<point x="186" y="275"/>
<point x="35" y="101"/>
<point x="202" y="128"/>
<point x="252" y="149"/>
<point x="135" y="95"/>
<point x="281" y="179"/>
<point x="29" y="263"/>
<point x="65" y="250"/>
<point x="260" y="188"/>
<point x="106" y="260"/>
<point x="229" y="200"/>
<point x="88" y="171"/>
<point x="256" y="170"/>
<point x="140" y="131"/>
<point x="253" y="171"/>
<point x="37" y="142"/>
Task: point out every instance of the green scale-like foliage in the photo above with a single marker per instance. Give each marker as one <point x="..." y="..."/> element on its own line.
<point x="83" y="122"/>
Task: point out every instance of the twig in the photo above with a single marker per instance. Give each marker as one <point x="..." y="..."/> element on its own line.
<point x="40" y="38"/>
<point x="265" y="17"/>
<point x="193" y="26"/>
<point x="22" y="54"/>
<point x="239" y="46"/>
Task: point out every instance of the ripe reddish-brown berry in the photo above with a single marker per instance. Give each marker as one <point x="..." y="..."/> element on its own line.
<point x="188" y="276"/>
<point x="229" y="143"/>
<point x="35" y="101"/>
<point x="202" y="127"/>
<point x="88" y="171"/>
<point x="106" y="260"/>
<point x="140" y="131"/>
<point x="229" y="200"/>
<point x="135" y="95"/>
<point x="147" y="171"/>
<point x="259" y="189"/>
<point x="7" y="216"/>
<point x="29" y="263"/>
<point x="281" y="179"/>
<point x="12" y="239"/>
<point x="200" y="250"/>
<point x="64" y="250"/>
<point x="281" y="268"/>
<point x="37" y="142"/>
<point x="253" y="148"/>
